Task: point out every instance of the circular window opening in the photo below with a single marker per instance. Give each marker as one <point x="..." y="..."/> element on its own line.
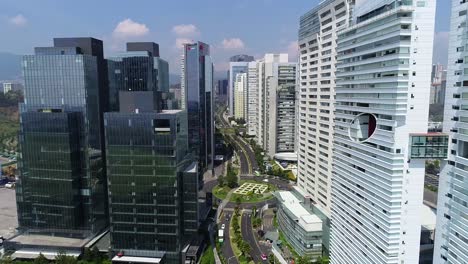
<point x="362" y="127"/>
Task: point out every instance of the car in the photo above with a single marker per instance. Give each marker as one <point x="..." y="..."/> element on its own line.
<point x="223" y="226"/>
<point x="264" y="257"/>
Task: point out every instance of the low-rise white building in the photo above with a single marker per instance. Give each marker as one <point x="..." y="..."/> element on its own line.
<point x="299" y="224"/>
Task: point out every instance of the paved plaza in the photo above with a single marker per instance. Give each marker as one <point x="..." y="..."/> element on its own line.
<point x="248" y="187"/>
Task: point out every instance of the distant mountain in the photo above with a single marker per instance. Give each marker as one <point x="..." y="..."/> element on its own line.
<point x="10" y="66"/>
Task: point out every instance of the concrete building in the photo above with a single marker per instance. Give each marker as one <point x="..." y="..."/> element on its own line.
<point x="451" y="241"/>
<point x="234" y="69"/>
<point x="9" y="86"/>
<point x="317" y="44"/>
<point x="299" y="224"/>
<point x="241" y="57"/>
<point x="237" y="64"/>
<point x="381" y="140"/>
<point x="252" y="99"/>
<point x="439" y="83"/>
<point x="240" y="92"/>
<point x="275" y="88"/>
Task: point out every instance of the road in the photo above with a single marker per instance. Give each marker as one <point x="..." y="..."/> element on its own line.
<point x="248" y="165"/>
<point x="226" y="248"/>
<point x="243" y="149"/>
<point x="249" y="236"/>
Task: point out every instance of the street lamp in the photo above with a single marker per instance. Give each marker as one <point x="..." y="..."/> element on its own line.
<point x="229" y="259"/>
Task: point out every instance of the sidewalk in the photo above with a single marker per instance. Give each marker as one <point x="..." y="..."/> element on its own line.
<point x="223" y="204"/>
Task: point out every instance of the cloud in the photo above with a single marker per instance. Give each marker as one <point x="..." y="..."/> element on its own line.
<point x="18" y="20"/>
<point x="185" y="30"/>
<point x="441" y="46"/>
<point x="233" y="44"/>
<point x="129" y="28"/>
<point x="181" y="41"/>
<point x="293" y="49"/>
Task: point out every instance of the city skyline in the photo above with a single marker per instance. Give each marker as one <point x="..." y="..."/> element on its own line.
<point x="188" y="132"/>
<point x="127" y="22"/>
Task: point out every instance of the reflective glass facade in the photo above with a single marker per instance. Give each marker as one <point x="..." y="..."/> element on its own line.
<point x="61" y="188"/>
<point x="429" y="146"/>
<point x="152" y="188"/>
<point x="198" y="79"/>
<point x="137" y="71"/>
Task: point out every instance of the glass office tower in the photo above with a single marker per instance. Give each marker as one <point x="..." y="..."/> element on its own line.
<point x="152" y="184"/>
<point x="198" y="95"/>
<point x="61" y="188"/>
<point x="152" y="178"/>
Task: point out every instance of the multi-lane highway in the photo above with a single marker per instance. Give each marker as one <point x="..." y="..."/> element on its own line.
<point x="248" y="234"/>
<point x="226" y="248"/>
<point x="248" y="163"/>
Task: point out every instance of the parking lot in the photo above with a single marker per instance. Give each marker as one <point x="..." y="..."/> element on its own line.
<point x="8" y="218"/>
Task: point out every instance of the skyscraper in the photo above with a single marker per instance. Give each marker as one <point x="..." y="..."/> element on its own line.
<point x="451" y="240"/>
<point x="222" y="90"/>
<point x="241" y="57"/>
<point x="197" y="85"/>
<point x="152" y="177"/>
<point x="252" y="99"/>
<point x="317" y="43"/>
<point x="240" y="88"/>
<point x="438" y="85"/>
<point x="61" y="189"/>
<point x="237" y="64"/>
<point x="380" y="140"/>
<point x="272" y="81"/>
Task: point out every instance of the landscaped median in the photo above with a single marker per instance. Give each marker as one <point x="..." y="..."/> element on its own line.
<point x="248" y="192"/>
<point x="240" y="248"/>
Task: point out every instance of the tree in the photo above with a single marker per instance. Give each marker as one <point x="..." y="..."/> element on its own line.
<point x="322" y="260"/>
<point x="304" y="260"/>
<point x="245" y="248"/>
<point x="63" y="258"/>
<point x="41" y="259"/>
<point x="87" y="255"/>
<point x="231" y="177"/>
<point x="97" y="257"/>
<point x="238" y="201"/>
<point x="221" y="180"/>
<point x="256" y="222"/>
<point x="254" y="210"/>
<point x="6" y="260"/>
<point x="271" y="259"/>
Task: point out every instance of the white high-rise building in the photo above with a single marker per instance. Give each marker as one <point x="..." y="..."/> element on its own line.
<point x="451" y="242"/>
<point x="382" y="103"/>
<point x="252" y="99"/>
<point x="275" y="80"/>
<point x="317" y="44"/>
<point x="237" y="64"/>
<point x="240" y="89"/>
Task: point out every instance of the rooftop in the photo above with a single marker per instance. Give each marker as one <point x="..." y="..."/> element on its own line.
<point x="49" y="241"/>
<point x="428" y="217"/>
<point x="171" y="111"/>
<point x="192" y="167"/>
<point x="34" y="253"/>
<point x="305" y="218"/>
<point x="129" y="259"/>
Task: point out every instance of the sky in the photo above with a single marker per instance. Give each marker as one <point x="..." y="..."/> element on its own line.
<point x="231" y="27"/>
